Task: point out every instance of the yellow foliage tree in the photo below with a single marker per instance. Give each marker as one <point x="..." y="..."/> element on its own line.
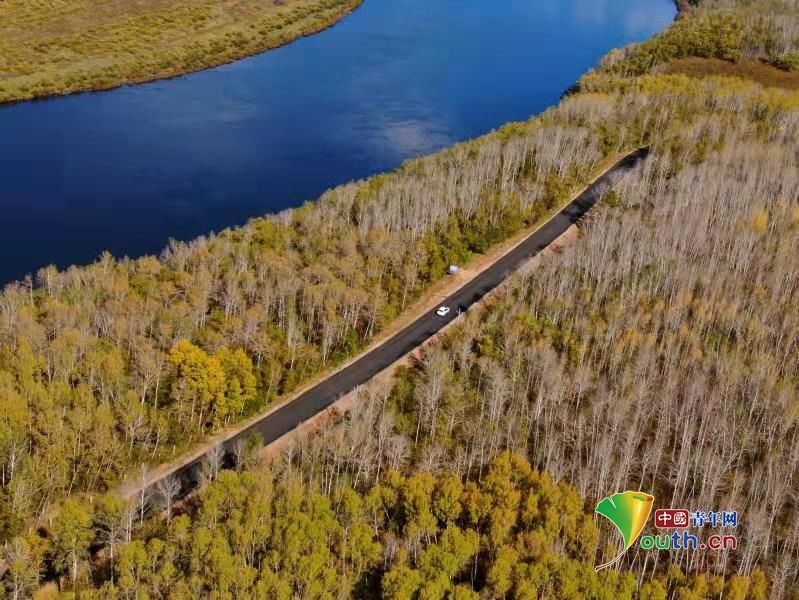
<point x="240" y="382"/>
<point x="199" y="385"/>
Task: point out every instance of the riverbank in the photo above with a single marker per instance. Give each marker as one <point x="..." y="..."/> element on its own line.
<point x="92" y="46"/>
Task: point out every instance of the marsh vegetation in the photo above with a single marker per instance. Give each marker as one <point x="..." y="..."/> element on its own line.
<point x="69" y="46"/>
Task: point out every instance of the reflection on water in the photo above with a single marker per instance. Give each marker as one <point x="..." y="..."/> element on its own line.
<point x="128" y="169"/>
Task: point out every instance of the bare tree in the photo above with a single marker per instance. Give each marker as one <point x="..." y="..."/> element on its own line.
<point x="22" y="573"/>
<point x="144" y="494"/>
<point x="168" y="489"/>
<point x="212" y="464"/>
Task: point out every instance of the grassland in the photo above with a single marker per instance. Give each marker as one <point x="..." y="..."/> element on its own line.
<point x="65" y="46"/>
<point x="757" y="71"/>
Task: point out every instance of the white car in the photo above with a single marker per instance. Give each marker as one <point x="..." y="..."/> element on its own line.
<point x="443" y="311"/>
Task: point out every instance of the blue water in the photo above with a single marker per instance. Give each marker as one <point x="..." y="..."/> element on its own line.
<point x="126" y="170"/>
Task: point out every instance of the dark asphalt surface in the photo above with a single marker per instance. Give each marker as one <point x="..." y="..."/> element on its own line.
<point x="323" y="395"/>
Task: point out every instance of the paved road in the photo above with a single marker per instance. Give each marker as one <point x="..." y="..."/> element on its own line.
<point x="323" y="395"/>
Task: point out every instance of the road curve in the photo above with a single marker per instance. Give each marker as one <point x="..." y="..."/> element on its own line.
<point x="286" y="418"/>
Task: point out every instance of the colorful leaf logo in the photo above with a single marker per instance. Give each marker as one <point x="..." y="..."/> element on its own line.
<point x="628" y="511"/>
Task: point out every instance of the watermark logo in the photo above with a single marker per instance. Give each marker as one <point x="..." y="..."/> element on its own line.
<point x="674" y="518"/>
<point x="628" y="511"/>
<point x="666" y="518"/>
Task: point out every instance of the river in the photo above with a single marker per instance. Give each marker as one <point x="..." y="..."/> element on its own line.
<point x="127" y="169"/>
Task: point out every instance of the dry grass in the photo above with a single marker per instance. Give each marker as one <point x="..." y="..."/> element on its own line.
<point x="58" y="47"/>
<point x="764" y="74"/>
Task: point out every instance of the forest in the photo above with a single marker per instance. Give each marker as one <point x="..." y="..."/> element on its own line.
<point x="267" y="534"/>
<point x="657" y="353"/>
<point x="129" y="362"/>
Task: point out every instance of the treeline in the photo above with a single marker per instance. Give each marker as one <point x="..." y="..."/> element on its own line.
<point x="766" y="30"/>
<point x="261" y="534"/>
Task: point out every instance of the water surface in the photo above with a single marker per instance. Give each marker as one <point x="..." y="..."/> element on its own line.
<point x="126" y="170"/>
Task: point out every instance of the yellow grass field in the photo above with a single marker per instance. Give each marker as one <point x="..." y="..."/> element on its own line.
<point x="50" y="47"/>
<point x="764" y="74"/>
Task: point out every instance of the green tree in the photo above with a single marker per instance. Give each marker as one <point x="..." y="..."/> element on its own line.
<point x="446" y="505"/>
<point x="240" y="381"/>
<point x="401" y="582"/>
<point x="72" y="536"/>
